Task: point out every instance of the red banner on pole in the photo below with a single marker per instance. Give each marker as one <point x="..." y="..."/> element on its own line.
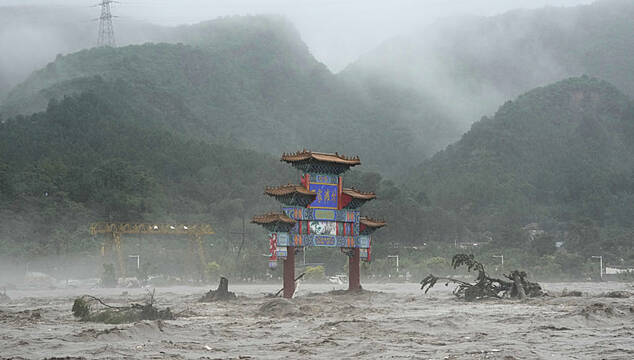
<point x="273" y="246"/>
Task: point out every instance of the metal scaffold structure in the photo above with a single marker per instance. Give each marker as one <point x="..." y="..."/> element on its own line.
<point x="106" y="30"/>
<point x="194" y="231"/>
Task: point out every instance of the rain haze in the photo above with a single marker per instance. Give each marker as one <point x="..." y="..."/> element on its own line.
<point x="337" y="32"/>
<point x="282" y="179"/>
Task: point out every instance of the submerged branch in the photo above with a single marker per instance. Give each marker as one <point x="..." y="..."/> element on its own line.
<point x="485" y="286"/>
<point x="86" y="308"/>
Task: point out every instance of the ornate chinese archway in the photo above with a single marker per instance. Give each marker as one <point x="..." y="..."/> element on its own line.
<point x="319" y="212"/>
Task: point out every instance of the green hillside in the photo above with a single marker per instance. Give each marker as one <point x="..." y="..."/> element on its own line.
<point x="247" y="81"/>
<point x="561" y="156"/>
<point x="190" y="131"/>
<point x="88" y="158"/>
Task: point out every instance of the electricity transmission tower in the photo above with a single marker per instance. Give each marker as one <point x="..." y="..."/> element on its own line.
<point x="106" y="31"/>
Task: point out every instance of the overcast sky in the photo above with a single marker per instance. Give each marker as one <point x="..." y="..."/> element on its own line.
<point x="337" y="31"/>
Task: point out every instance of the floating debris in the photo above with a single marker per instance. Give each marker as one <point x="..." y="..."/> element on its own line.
<point x="599" y="309"/>
<point x="617" y="294"/>
<point x="485" y="286"/>
<point x="571" y="293"/>
<point x="279" y="307"/>
<point x="282" y="289"/>
<point x="86" y="308"/>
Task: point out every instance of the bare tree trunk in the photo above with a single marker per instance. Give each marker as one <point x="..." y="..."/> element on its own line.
<point x="223" y="286"/>
<point x="221" y="293"/>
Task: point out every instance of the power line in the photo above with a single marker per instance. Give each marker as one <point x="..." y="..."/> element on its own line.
<point x="106" y="30"/>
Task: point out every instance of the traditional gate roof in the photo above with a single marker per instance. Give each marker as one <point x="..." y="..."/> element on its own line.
<point x="353" y="198"/>
<point x="318" y="162"/>
<point x="292" y="195"/>
<point x="274" y="221"/>
<point x="272" y="218"/>
<point x="362" y="195"/>
<point x="369" y="225"/>
<point x="288" y="190"/>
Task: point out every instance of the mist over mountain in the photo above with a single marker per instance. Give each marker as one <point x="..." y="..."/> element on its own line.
<point x="558" y="155"/>
<point x="171" y="130"/>
<point x="428" y="86"/>
<point x="249" y="81"/>
<point x="470" y="65"/>
<point x="32" y="36"/>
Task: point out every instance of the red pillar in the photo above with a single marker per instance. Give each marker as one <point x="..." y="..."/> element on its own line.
<point x="289" y="273"/>
<point x="354" y="282"/>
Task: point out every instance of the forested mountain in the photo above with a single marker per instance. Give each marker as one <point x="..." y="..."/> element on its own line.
<point x="471" y="65"/>
<point x="88" y="158"/>
<point x="561" y="155"/>
<point x="159" y="131"/>
<point x="243" y="75"/>
<point x="248" y="81"/>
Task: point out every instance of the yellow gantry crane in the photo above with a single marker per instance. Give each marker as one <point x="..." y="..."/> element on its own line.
<point x="195" y="231"/>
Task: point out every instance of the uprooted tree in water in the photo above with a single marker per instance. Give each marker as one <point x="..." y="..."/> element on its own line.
<point x="90" y="308"/>
<point x="485" y="286"/>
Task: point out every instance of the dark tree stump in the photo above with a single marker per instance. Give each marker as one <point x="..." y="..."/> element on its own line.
<point x="220" y="294"/>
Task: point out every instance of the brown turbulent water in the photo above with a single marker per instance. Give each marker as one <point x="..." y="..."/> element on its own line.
<point x="390" y="321"/>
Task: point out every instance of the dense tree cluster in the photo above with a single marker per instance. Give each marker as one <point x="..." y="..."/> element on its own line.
<point x="561" y="157"/>
<point x="85" y="159"/>
<point x="158" y="132"/>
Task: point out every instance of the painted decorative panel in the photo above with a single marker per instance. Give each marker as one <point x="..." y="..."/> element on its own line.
<point x="321" y="214"/>
<point x="323" y="227"/>
<point x="324" y="178"/>
<point x="282" y="252"/>
<point x="327" y="195"/>
<point x="363" y="241"/>
<point x="308" y="240"/>
<point x="283" y="239"/>
<point x="319" y="240"/>
<point x="298" y="213"/>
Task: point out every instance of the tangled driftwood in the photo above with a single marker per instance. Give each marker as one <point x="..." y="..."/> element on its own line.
<point x="90" y="308"/>
<point x="485" y="286"/>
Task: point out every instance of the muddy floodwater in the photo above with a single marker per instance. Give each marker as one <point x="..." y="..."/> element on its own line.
<point x="389" y="321"/>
